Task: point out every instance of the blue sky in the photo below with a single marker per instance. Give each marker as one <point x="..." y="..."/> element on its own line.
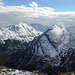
<point x="60" y="5"/>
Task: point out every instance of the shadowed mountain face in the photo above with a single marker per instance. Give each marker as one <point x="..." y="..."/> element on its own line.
<point x="53" y="49"/>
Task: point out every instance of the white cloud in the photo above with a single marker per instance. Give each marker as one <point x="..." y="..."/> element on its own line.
<point x="33" y="4"/>
<point x="44" y="15"/>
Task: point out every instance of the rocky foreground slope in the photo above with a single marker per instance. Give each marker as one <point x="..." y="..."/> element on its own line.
<point x="54" y="50"/>
<point x="9" y="71"/>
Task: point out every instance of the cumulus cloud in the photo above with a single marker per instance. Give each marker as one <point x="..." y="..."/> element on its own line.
<point x="33" y="4"/>
<point x="44" y="15"/>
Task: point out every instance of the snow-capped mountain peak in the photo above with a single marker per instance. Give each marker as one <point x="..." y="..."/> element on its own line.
<point x="58" y="33"/>
<point x="21" y="32"/>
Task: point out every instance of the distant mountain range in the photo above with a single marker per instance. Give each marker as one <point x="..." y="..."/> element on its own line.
<point x="39" y="27"/>
<point x="51" y="52"/>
